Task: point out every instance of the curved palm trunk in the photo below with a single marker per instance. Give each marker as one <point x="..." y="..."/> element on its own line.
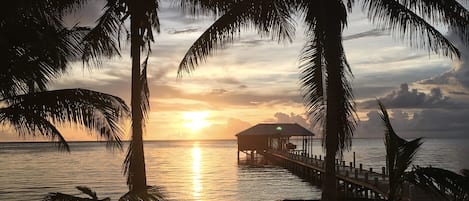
<point x="335" y="97"/>
<point x="137" y="168"/>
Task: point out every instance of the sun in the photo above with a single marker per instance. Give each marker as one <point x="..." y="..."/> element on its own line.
<point x="195" y="120"/>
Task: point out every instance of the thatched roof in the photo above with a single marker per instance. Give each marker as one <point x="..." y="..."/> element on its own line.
<point x="277" y="129"/>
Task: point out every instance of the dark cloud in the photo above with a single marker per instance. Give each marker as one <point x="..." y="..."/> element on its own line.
<point x="393" y="59"/>
<point x="459" y="93"/>
<point x="370" y="33"/>
<point x="426" y="123"/>
<point x="218" y="91"/>
<point x="361" y="92"/>
<point x="183" y="30"/>
<point x="459" y="73"/>
<point x="252" y="42"/>
<point x="405" y="97"/>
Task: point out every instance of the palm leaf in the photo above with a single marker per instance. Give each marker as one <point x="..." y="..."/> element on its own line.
<point x="95" y="111"/>
<point x="266" y="16"/>
<point x="66" y="197"/>
<point x="408" y="26"/>
<point x="447" y="12"/>
<point x="151" y="194"/>
<point x="26" y="122"/>
<point x="102" y="40"/>
<point x="400" y="154"/>
<point x="87" y="191"/>
<point x="449" y="185"/>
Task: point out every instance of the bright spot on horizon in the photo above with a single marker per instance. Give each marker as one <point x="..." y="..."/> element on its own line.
<point x="196" y="120"/>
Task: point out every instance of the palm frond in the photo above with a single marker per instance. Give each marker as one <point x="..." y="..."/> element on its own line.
<point x="35" y="50"/>
<point x="95" y="111"/>
<point x="204" y="7"/>
<point x="408" y="26"/>
<point x="153" y="193"/>
<point x="448" y="184"/>
<point x="66" y="197"/>
<point x="27" y="122"/>
<point x="145" y="105"/>
<point x="400" y="154"/>
<point x="87" y="191"/>
<point x="312" y="75"/>
<point x="267" y="17"/>
<point x="445" y="12"/>
<point x="323" y="56"/>
<point x="102" y="40"/>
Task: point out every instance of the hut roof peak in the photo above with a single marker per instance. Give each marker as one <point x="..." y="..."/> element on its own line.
<point x="276" y="129"/>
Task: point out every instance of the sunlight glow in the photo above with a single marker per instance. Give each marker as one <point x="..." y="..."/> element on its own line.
<point x="196" y="120"/>
<point x="196" y="175"/>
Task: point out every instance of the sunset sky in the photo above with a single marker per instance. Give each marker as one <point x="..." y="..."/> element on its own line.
<point x="256" y="80"/>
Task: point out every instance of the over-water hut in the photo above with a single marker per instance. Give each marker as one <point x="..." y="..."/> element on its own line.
<point x="275" y="136"/>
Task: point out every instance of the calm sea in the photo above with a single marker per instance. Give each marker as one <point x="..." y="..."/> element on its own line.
<point x="185" y="170"/>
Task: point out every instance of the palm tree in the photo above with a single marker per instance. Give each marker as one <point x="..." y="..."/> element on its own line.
<point x="36" y="47"/>
<point x="324" y="70"/>
<point x="103" y="41"/>
<point x="400" y="154"/>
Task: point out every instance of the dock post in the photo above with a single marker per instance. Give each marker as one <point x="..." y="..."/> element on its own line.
<point x="361" y="167"/>
<point x="383" y="169"/>
<point x="238" y="155"/>
<point x="371" y="169"/>
<point x="354" y="164"/>
<point x="351" y="167"/>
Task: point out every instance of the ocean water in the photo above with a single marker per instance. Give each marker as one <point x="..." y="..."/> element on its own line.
<point x="185" y="170"/>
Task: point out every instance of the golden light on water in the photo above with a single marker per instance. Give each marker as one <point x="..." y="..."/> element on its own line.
<point x="195" y="120"/>
<point x="196" y="171"/>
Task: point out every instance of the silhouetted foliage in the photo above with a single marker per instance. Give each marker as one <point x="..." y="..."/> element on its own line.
<point x="150" y="194"/>
<point x="324" y="70"/>
<point x="400" y="154"/>
<point x="36" y="47"/>
<point x="66" y="197"/>
<point x="103" y="40"/>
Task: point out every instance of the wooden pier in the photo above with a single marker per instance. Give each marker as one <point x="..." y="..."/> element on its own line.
<point x="354" y="182"/>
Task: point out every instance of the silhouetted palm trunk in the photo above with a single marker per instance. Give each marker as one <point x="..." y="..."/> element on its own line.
<point x="137" y="168"/>
<point x="335" y="96"/>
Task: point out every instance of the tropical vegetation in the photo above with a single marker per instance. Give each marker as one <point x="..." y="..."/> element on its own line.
<point x="104" y="40"/>
<point x="400" y="154"/>
<point x="36" y="47"/>
<point x="324" y="70"/>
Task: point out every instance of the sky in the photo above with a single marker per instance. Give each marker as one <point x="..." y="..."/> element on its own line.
<point x="255" y="80"/>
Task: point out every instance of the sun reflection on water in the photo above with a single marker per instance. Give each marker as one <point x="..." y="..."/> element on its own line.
<point x="196" y="173"/>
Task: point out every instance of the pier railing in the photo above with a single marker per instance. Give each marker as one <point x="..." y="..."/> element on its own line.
<point x="355" y="181"/>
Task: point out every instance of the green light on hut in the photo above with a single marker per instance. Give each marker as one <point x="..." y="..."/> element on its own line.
<point x="279" y="128"/>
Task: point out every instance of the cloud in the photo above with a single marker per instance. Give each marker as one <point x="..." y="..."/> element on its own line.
<point x="370" y="33"/>
<point x="281" y="117"/>
<point x="425" y="123"/>
<point x="405" y="97"/>
<point x="218" y="91"/>
<point x="458" y="76"/>
<point x="183" y="30"/>
<point x="225" y="130"/>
